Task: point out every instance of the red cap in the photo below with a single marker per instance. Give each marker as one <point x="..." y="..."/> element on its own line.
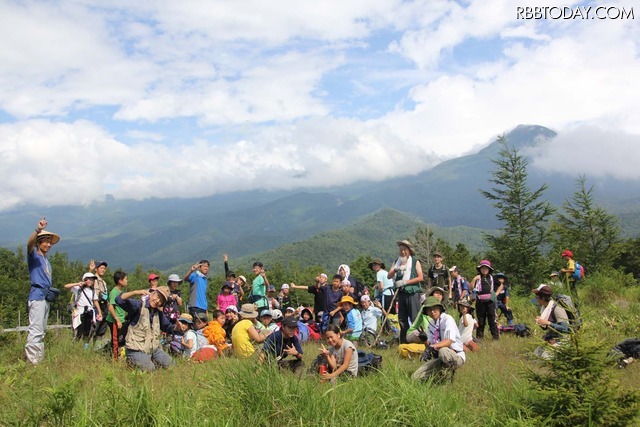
<point x="153" y="277"/>
<point x="567" y="253"/>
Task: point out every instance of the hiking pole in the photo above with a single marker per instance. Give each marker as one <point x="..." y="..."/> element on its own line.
<point x="393" y="300"/>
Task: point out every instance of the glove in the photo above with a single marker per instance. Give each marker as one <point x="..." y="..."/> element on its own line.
<point x="401" y="283"/>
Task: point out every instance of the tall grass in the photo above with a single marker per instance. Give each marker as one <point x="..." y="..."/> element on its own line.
<point x="77" y="387"/>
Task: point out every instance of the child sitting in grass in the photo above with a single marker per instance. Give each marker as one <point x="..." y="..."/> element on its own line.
<point x="353" y="318"/>
<point x="215" y="333"/>
<point x="466" y="325"/>
<point x="341" y="357"/>
<point x="189" y="340"/>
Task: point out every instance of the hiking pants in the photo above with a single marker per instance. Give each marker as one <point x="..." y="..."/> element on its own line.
<point x="38" y="316"/>
<point x="408" y="309"/>
<point x="508" y="313"/>
<point x="486" y="310"/>
<point x="148" y="362"/>
<point x="447" y="359"/>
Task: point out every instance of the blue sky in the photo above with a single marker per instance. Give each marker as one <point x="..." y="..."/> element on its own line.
<point x="193" y="98"/>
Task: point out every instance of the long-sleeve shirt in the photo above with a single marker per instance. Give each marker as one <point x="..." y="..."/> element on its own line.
<point x="133" y="307"/>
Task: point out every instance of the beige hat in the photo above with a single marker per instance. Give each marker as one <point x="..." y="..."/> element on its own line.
<point x="248" y="311"/>
<point x="407" y="244"/>
<point x="43" y="234"/>
<point x="164" y="291"/>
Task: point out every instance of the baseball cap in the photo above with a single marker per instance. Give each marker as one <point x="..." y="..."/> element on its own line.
<point x="290" y="322"/>
<point x="285" y="286"/>
<point x="364" y="298"/>
<point x="86" y="276"/>
<point x="543" y="290"/>
<point x="153" y="276"/>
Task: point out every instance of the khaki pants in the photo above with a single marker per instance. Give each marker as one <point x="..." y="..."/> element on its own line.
<point x="447" y="359"/>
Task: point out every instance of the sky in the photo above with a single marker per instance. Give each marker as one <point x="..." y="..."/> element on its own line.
<point x="195" y="98"/>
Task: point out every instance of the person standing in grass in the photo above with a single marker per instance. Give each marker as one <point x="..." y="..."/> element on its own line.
<point x="146" y="324"/>
<point x="568" y="271"/>
<point x="460" y="286"/>
<point x="503" y="297"/>
<point x="485" y="288"/>
<point x="259" y="287"/>
<point x="438" y="275"/>
<point x="198" y="284"/>
<point x="116" y="316"/>
<point x="38" y="245"/>
<point x="237" y="283"/>
<point x="407" y="275"/>
<point x="341" y="357"/>
<point x="226" y="297"/>
<point x="444" y="344"/>
<point x="99" y="328"/>
<point x="86" y="310"/>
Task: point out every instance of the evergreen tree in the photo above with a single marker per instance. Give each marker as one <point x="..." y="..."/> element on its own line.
<point x="523" y="215"/>
<point x="589" y="231"/>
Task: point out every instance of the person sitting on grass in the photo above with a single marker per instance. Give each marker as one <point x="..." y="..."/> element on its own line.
<point x="215" y="333"/>
<point x="466" y="325"/>
<point x="445" y="351"/>
<point x="244" y="333"/>
<point x="306" y="318"/>
<point x="353" y="318"/>
<point x="86" y="310"/>
<point x="189" y="340"/>
<point x="283" y="343"/>
<point x="341" y="357"/>
<point x="370" y="314"/>
<point x="231" y="315"/>
<point x="265" y="323"/>
<point x="553" y="319"/>
<point x="146" y="322"/>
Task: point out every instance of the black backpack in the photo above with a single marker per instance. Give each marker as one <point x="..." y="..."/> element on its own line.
<point x="368" y="362"/>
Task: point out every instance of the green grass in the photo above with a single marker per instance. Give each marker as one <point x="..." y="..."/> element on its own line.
<point x="77" y="387"/>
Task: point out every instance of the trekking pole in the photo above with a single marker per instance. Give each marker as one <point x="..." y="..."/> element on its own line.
<point x="393" y="300"/>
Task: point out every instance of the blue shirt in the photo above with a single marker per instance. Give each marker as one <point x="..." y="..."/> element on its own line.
<point x="39" y="274"/>
<point x="276" y="343"/>
<point x="354" y="322"/>
<point x="370" y="318"/>
<point x="133" y="307"/>
<point x="198" y="290"/>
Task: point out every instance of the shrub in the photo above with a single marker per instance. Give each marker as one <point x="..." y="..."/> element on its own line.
<point x="572" y="388"/>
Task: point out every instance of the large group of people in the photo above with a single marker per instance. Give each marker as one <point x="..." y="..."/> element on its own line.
<point x="149" y="327"/>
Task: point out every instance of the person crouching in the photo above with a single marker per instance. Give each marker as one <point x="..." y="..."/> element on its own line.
<point x="147" y="321"/>
<point x="444" y="352"/>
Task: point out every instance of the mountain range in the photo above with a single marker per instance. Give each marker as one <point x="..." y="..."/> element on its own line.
<point x="166" y="233"/>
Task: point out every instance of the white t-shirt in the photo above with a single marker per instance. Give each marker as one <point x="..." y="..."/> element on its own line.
<point x="84" y="297"/>
<point x="340" y="352"/>
<point x="190" y="335"/>
<point x="466" y="333"/>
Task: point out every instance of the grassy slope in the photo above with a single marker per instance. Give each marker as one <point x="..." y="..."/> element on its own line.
<point x="74" y="387"/>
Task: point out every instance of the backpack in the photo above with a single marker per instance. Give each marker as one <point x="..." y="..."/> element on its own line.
<point x="578" y="273"/>
<point x="565" y="301"/>
<point x="368" y="362"/>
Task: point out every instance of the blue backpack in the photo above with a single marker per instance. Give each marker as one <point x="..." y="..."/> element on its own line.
<point x="578" y="273"/>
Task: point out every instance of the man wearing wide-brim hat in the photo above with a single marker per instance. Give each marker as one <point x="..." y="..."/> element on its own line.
<point x="407" y="276"/>
<point x="146" y="323"/>
<point x="444" y="351"/>
<point x="384" y="285"/>
<point x="42" y="292"/>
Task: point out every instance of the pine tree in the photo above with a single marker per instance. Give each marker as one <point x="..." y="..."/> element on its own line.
<point x="589" y="231"/>
<point x="523" y="215"/>
<point x="573" y="388"/>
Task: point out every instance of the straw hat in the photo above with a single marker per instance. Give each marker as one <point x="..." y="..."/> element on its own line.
<point x="43" y="234"/>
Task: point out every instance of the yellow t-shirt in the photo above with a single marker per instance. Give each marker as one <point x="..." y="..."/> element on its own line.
<point x="571" y="265"/>
<point x="242" y="346"/>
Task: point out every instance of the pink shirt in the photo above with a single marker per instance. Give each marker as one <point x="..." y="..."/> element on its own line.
<point x="225" y="301"/>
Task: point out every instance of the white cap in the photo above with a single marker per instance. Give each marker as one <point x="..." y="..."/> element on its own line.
<point x="454" y="268"/>
<point x="86" y="276"/>
<point x="285" y="286"/>
<point x="174" y="278"/>
<point x="364" y="298"/>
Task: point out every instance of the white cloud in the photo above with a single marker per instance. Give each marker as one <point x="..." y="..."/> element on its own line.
<point x="592" y="151"/>
<point x="258" y="80"/>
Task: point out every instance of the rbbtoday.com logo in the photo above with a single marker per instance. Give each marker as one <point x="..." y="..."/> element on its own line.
<point x="579" y="12"/>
